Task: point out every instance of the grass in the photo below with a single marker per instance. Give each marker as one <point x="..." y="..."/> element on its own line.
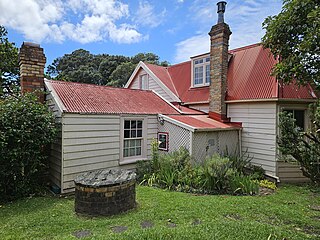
<point x="283" y="215"/>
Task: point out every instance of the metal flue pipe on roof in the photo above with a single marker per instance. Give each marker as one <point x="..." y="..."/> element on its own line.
<point x="221" y="10"/>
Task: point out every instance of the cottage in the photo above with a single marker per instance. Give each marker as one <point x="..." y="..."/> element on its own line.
<point x="218" y="102"/>
<point x="232" y="86"/>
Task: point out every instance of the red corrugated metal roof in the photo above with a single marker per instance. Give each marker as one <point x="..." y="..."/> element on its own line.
<point x="163" y="74"/>
<point x="248" y="78"/>
<point x="203" y="122"/>
<point x="88" y="98"/>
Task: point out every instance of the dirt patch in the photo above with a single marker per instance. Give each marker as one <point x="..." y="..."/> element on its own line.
<point x="265" y="191"/>
<point x="196" y="222"/>
<point x="146" y="224"/>
<point x="315" y="207"/>
<point x="81" y="233"/>
<point x="171" y="225"/>
<point x="119" y="229"/>
<point x="233" y="216"/>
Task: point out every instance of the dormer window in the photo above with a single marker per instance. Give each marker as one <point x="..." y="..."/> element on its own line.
<point x="144" y="83"/>
<point x="201" y="72"/>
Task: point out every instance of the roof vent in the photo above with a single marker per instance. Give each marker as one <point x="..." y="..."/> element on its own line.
<point x="221" y="10"/>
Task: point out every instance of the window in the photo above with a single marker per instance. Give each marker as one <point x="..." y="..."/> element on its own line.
<point x="144" y="84"/>
<point x="298" y="115"/>
<point x="132" y="138"/>
<point x="201" y="72"/>
<point x="163" y="141"/>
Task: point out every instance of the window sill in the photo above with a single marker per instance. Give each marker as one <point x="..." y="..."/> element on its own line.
<point x="200" y="86"/>
<point x="131" y="161"/>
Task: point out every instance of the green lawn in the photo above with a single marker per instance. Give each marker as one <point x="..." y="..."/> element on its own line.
<point x="283" y="215"/>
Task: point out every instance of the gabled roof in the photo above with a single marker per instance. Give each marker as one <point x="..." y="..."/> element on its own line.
<point x="248" y="79"/>
<point x="93" y="99"/>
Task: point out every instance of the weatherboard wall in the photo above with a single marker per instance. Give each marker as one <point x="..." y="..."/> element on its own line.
<point x="152" y="85"/>
<point x="92" y="142"/>
<point x="55" y="158"/>
<point x="259" y="122"/>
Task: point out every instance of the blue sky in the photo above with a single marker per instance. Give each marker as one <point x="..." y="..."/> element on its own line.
<point x="172" y="29"/>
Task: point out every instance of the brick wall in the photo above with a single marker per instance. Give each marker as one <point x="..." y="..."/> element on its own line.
<point x="32" y="62"/>
<point x="219" y="38"/>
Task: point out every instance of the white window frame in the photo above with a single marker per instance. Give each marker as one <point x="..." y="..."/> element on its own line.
<point x="133" y="159"/>
<point x="202" y="62"/>
<point x="167" y="141"/>
<point x="144" y="82"/>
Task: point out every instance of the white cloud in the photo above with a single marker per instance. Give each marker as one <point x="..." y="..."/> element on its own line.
<point x="244" y="18"/>
<point x="146" y="15"/>
<point x="191" y="47"/>
<point x="46" y="20"/>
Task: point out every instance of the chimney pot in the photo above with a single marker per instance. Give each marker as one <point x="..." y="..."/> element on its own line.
<point x="221" y="10"/>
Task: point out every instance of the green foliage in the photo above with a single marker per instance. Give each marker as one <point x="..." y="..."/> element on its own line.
<point x="303" y="146"/>
<point x="121" y="74"/>
<point x="239" y="162"/>
<point x="175" y="171"/>
<point x="256" y="172"/>
<point x="9" y="68"/>
<point x="267" y="184"/>
<point x="240" y="184"/>
<point x="101" y="69"/>
<point x="294" y="34"/>
<point x="217" y="173"/>
<point x="26" y="127"/>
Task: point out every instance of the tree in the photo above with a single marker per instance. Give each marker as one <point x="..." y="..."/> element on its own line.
<point x="303" y="146"/>
<point x="294" y="36"/>
<point x="121" y="74"/>
<point x="101" y="69"/>
<point x="9" y="68"/>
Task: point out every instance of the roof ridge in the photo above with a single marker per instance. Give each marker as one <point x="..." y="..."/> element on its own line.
<point x="245" y="47"/>
<point x="95" y="85"/>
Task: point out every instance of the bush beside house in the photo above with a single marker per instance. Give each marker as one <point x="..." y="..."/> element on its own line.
<point x="26" y="127"/>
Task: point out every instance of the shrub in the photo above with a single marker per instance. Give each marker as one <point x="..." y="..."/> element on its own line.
<point x="240" y="184"/>
<point x="239" y="162"/>
<point x="267" y="184"/>
<point x="26" y="127"/>
<point x="256" y="172"/>
<point x="217" y="173"/>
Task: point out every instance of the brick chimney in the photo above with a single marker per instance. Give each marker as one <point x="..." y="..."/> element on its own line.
<point x="31" y="63"/>
<point x="219" y="43"/>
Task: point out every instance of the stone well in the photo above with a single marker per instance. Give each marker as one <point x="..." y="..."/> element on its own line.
<point x="105" y="192"/>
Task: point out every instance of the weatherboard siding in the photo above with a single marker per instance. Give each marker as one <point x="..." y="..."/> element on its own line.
<point x="55" y="158"/>
<point x="152" y="85"/>
<point x="259" y="122"/>
<point x="92" y="142"/>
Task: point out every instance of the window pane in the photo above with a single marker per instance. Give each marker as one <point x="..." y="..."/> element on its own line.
<point x="125" y="152"/>
<point x="208" y="73"/>
<point x="198" y="75"/>
<point x="132" y="143"/>
<point x="162" y="138"/>
<point x="139" y="133"/>
<point x="299" y="116"/>
<point x="139" y="124"/>
<point x="132" y="151"/>
<point x="133" y="133"/>
<point x="207" y="59"/>
<point x="126" y="143"/>
<point x="126" y="133"/>
<point x="138" y="151"/>
<point x="127" y="124"/>
<point x="133" y="124"/>
<point x="138" y="143"/>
